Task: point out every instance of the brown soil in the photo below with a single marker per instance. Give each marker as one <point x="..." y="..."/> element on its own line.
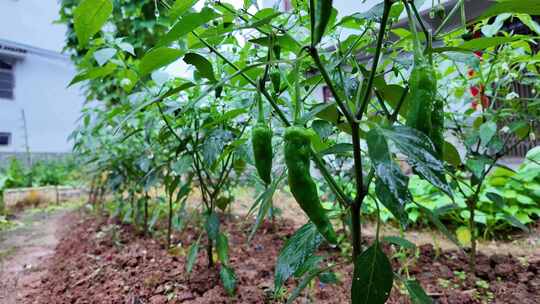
<point x="24" y="250"/>
<point x="100" y="261"/>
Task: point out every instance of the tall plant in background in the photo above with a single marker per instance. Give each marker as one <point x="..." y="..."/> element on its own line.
<point x="490" y="119"/>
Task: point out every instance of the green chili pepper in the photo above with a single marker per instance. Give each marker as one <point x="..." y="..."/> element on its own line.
<point x="437" y="123"/>
<point x="422" y="85"/>
<point x="303" y="188"/>
<point x="261" y="139"/>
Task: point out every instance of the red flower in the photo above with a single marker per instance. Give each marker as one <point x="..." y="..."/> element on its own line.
<point x="478" y="54"/>
<point x="470" y="73"/>
<point x="485" y="101"/>
<point x="475" y="91"/>
<point x="474" y="104"/>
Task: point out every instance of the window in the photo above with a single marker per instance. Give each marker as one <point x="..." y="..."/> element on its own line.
<point x="5" y="139"/>
<point x="7" y="78"/>
<point x="327" y="94"/>
<point x="287" y="5"/>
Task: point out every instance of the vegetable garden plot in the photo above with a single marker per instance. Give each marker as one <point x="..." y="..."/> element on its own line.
<point x="213" y="95"/>
<point x="107" y="262"/>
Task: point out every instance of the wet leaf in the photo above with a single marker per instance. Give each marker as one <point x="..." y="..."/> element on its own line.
<point x="295" y="252"/>
<point x="373" y="277"/>
<point x="186" y="24"/>
<point x="228" y="278"/>
<point x="420" y="153"/>
<point x="222" y="247"/>
<point x="391" y="184"/>
<point x="417" y="293"/>
<point x="212" y="226"/>
<point x="396" y="240"/>
<point x="158" y="58"/>
<point x="89" y="17"/>
<point x="203" y="66"/>
<point x="487" y="130"/>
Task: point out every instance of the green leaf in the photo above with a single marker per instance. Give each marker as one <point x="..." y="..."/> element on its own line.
<point x="396" y="240"/>
<point x="222" y="246"/>
<point x="420" y="154"/>
<point x="464" y="236"/>
<point x="497" y="199"/>
<point x="320" y="12"/>
<point x="180" y="7"/>
<point x="103" y="55"/>
<point x="531" y="7"/>
<point x="328" y="277"/>
<point x="520" y="129"/>
<point x="126" y="47"/>
<point x="392" y="93"/>
<point x="514" y="221"/>
<point x="451" y="155"/>
<point x="393" y="204"/>
<point x="158" y="58"/>
<point x="374" y="13"/>
<point x="93" y="73"/>
<point x="265" y="202"/>
<point x="212" y="226"/>
<point x="527" y="20"/>
<point x="312" y="274"/>
<point x="391" y="184"/>
<point x="89" y="17"/>
<point x="490" y="30"/>
<point x="203" y="65"/>
<point x="192" y="256"/>
<point x="486" y="42"/>
<point x="187" y="24"/>
<point x="417" y="293"/>
<point x="373" y="277"/>
<point x="477" y="166"/>
<point x="295" y="252"/>
<point x="487" y="131"/>
<point x="228" y="278"/>
<point x="341" y="148"/>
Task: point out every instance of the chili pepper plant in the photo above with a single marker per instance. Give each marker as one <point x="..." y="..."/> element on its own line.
<point x="257" y="71"/>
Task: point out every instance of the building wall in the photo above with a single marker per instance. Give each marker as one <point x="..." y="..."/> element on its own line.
<point x="42" y="74"/>
<point x="31" y="22"/>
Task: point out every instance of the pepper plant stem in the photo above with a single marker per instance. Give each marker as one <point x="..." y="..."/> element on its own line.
<point x="342" y="105"/>
<point x="380" y="38"/>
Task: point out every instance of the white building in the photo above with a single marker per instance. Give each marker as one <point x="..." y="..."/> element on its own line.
<point x="37" y="110"/>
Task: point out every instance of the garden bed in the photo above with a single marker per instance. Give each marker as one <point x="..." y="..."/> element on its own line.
<point x="99" y="261"/>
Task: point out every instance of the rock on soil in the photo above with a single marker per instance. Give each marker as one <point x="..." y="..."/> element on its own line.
<point x="100" y="261"/>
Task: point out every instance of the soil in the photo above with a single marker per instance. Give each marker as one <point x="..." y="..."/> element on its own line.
<point x="103" y="261"/>
<point x="24" y="250"/>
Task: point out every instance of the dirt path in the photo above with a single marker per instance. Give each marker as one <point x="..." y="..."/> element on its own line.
<point x="23" y="252"/>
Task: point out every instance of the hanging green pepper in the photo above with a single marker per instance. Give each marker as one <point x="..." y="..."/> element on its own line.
<point x="303" y="188"/>
<point x="422" y="87"/>
<point x="261" y="138"/>
<point x="437" y="127"/>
